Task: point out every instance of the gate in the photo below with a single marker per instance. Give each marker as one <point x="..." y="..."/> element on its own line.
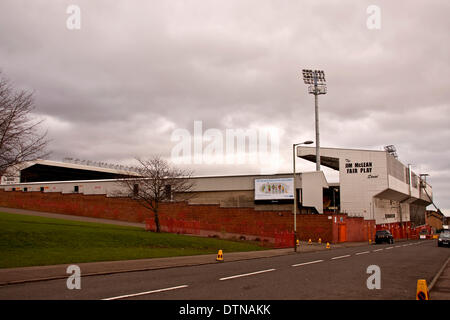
<point x="342" y="232"/>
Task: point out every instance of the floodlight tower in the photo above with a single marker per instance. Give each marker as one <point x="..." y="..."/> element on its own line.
<point x="317" y="85"/>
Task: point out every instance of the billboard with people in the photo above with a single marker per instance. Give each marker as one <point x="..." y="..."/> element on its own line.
<point x="274" y="189"/>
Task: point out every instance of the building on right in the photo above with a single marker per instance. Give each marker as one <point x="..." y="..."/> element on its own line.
<point x="376" y="185"/>
<point x="435" y="220"/>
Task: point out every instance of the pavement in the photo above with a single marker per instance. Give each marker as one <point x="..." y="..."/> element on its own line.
<point x="440" y="286"/>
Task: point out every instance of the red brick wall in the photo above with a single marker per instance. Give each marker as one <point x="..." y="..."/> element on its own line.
<point x="273" y="226"/>
<point x="314" y="227"/>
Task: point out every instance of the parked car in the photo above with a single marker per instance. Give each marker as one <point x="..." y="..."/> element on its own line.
<point x="383" y="236"/>
<point x="444" y="238"/>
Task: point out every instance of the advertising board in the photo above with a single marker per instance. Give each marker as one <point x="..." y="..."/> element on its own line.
<point x="274" y="189"/>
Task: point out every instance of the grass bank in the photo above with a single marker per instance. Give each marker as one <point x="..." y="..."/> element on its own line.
<point x="33" y="241"/>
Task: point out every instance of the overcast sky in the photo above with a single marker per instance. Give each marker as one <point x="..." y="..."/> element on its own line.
<point x="138" y="70"/>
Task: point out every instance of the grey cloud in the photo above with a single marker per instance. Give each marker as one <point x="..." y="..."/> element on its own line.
<point x="137" y="70"/>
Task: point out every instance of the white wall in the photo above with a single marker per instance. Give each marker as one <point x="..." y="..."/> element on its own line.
<point x="358" y="184"/>
<point x="387" y="211"/>
<point x="312" y="189"/>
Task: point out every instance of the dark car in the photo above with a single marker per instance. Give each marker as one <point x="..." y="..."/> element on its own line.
<point x="383" y="236"/>
<point x="444" y="238"/>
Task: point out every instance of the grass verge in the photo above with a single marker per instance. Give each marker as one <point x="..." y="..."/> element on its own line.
<point x="36" y="241"/>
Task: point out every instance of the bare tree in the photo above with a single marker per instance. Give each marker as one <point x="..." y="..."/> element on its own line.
<point x="19" y="137"/>
<point x="157" y="182"/>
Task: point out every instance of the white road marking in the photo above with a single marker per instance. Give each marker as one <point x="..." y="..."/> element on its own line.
<point x="377" y="250"/>
<point x="146" y="292"/>
<point x="397" y="246"/>
<point x="389" y="248"/>
<point x="246" y="274"/>
<point x="340" y="257"/>
<point x="305" y="263"/>
<point x="405" y="245"/>
<point x="364" y="252"/>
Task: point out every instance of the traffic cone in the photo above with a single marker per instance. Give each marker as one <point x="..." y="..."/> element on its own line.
<point x="422" y="290"/>
<point x="328" y="245"/>
<point x="309" y="241"/>
<point x="320" y="240"/>
<point x="219" y="256"/>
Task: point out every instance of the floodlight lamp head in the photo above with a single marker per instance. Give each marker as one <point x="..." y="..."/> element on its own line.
<point x="320" y="75"/>
<point x="308" y="76"/>
<point x="313" y="76"/>
<point x="391" y="150"/>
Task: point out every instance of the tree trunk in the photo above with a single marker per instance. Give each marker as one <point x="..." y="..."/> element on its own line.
<point x="158" y="228"/>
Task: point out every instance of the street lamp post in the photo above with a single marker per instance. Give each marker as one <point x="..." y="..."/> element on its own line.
<point x="317" y="82"/>
<point x="295" y="190"/>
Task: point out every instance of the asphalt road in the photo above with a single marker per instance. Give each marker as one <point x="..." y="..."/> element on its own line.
<point x="334" y="274"/>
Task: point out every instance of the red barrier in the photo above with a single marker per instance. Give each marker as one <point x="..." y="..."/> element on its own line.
<point x="399" y="230"/>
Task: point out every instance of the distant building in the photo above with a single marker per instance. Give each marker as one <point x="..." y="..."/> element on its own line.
<point x="434" y="219"/>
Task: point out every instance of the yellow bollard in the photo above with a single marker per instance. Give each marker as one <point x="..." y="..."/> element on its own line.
<point x="422" y="290"/>
<point x="320" y="240"/>
<point x="297" y="242"/>
<point x="328" y="245"/>
<point x="370" y="241"/>
<point x="219" y="256"/>
<point x="309" y="241"/>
